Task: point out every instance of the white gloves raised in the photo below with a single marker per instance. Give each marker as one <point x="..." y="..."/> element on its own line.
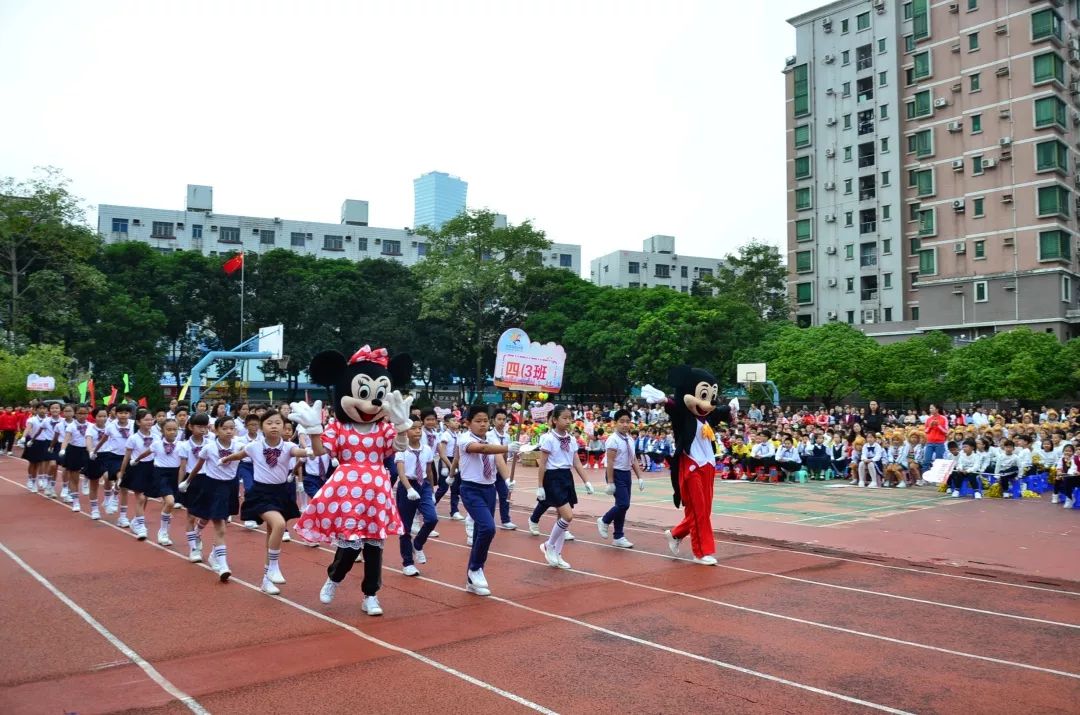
<point x="308" y="418"/>
<point x="513" y="448"/>
<point x="652" y="395"/>
<point x="397" y="409"/>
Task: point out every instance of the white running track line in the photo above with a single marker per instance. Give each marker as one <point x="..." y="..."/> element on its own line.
<point x="131" y="655"/>
<point x="860" y="562"/>
<point x="862" y="511"/>
<point x="321" y="616"/>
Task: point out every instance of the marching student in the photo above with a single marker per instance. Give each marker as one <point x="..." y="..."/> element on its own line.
<point x="181" y="415"/>
<point x="414" y="496"/>
<point x="9" y="424"/>
<point x="165" y="453"/>
<point x="191" y="480"/>
<point x="218" y="496"/>
<point x="558" y="461"/>
<point x="55" y="429"/>
<point x="94" y="469"/>
<point x="621" y="460"/>
<point x="272" y="499"/>
<point x="481" y="464"/>
<point x="112" y="455"/>
<point x="35" y="446"/>
<point x="246" y="470"/>
<point x="503" y="486"/>
<point x="73" y="454"/>
<point x="447" y="452"/>
<point x="61" y="456"/>
<point x="137" y="474"/>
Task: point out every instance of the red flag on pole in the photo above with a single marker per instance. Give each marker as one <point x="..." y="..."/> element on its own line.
<point x="111" y="399"/>
<point x="142" y="402"/>
<point x="90" y="391"/>
<point x="233" y="264"/>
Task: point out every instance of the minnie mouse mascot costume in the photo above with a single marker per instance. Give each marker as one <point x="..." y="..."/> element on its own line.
<point x="694" y="413"/>
<point x="355" y="510"/>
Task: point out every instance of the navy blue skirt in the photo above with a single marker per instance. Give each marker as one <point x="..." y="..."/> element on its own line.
<point x="94" y="468"/>
<point x="214" y="498"/>
<point x="164" y="482"/>
<point x="74" y="458"/>
<point x="263" y="498"/>
<point x="138" y="477"/>
<point x="37" y="451"/>
<point x="110" y="464"/>
<point x="559" y="487"/>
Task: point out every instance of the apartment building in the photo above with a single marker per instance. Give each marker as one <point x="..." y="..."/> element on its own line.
<point x="656" y="264"/>
<point x="987" y="128"/>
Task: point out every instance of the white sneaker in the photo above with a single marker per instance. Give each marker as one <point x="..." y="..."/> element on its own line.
<point x="123" y="522"/>
<point x="872" y="486"/>
<point x="75" y="506"/>
<point x="410" y="570"/>
<point x="508" y="525"/>
<point x="326" y="593"/>
<point x="66" y="499"/>
<point x="64" y="493"/>
<point x="569" y="536"/>
<point x="95" y="514"/>
<point x="198" y="544"/>
<point x="269" y="588"/>
<point x="276" y="576"/>
<point x="163" y="538"/>
<point x="211" y="559"/>
<point x="601" y="527"/>
<point x="433" y="535"/>
<point x="286" y="537"/>
<point x="672" y="543"/>
<point x="978" y="495"/>
<point x="419" y="556"/>
<point x="456" y="516"/>
<point x="222" y="570"/>
<point x="31" y="485"/>
<point x="415" y="529"/>
<point x="744" y="478"/>
<point x="110" y="507"/>
<point x="140" y="533"/>
<point x="1055" y="499"/>
<point x="1006" y="495"/>
<point x="468" y="541"/>
<point x="371" y="606"/>
<point x="956" y="494"/>
<point x="50" y="493"/>
<point x="469" y="527"/>
<point x="622" y="543"/>
<point x="195" y="556"/>
<point x="550" y="555"/>
<point x="477" y="583"/>
<point x="534" y="528"/>
<point x="902" y="485"/>
<point x="707" y="560"/>
<point x="921" y="483"/>
<point x="250" y="524"/>
<point x="562" y="563"/>
<point x="1069" y="502"/>
<point x="84" y="486"/>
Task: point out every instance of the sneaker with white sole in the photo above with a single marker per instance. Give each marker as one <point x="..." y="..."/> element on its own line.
<point x="371" y="606"/>
<point x="433" y="535"/>
<point x="534" y="528"/>
<point x="477" y="583"/>
<point x="75" y="506"/>
<point x="707" y="560"/>
<point x="110" y="508"/>
<point x="163" y="538"/>
<point x="410" y="570"/>
<point x="550" y="556"/>
<point x="468" y="541"/>
<point x="1069" y="502"/>
<point x="250" y="524"/>
<point x="140" y="533"/>
<point x="195" y="556"/>
<point x="1055" y="499"/>
<point x="419" y="556"/>
<point x="1006" y="495"/>
<point x="326" y="593"/>
<point x="956" y="494"/>
<point x="31" y="485"/>
<point x="601" y="527"/>
<point x="508" y="525"/>
<point x="672" y="543"/>
<point x="286" y="537"/>
<point x="978" y="495"/>
<point x="569" y="536"/>
<point x="269" y="588"/>
<point x="562" y="563"/>
<point x="276" y="576"/>
<point x="921" y="483"/>
<point x="123" y="522"/>
<point x="902" y="485"/>
<point x="198" y="544"/>
<point x="95" y="514"/>
<point x="456" y="516"/>
<point x="622" y="542"/>
<point x="64" y="495"/>
<point x="872" y="486"/>
<point x="222" y="570"/>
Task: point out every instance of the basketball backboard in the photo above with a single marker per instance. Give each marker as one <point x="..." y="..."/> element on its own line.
<point x="748" y="372"/>
<point x="272" y="340"/>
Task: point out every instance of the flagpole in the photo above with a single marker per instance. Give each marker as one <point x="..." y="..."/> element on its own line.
<point x="243" y="365"/>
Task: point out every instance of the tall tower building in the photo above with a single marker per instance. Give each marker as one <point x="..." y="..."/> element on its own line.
<point x="982" y="236"/>
<point x="437" y="198"/>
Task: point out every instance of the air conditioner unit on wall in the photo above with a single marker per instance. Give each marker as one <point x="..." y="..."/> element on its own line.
<point x="831" y="282"/>
<point x="831" y="250"/>
<point x="959" y="248"/>
<point x="941" y="102"/>
<point x="831" y="315"/>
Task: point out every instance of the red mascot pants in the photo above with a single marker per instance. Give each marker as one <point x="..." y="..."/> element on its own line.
<point x="696" y="489"/>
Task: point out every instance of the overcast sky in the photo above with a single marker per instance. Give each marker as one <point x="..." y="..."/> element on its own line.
<point x="603" y="122"/>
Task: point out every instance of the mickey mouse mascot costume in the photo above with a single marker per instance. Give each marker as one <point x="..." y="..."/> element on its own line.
<point x="694" y="413"/>
<point x="355" y="510"/>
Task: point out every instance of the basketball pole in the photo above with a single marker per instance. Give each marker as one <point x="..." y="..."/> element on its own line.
<point x="243" y="367"/>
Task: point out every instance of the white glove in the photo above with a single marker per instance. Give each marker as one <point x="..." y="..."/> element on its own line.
<point x="183" y="486"/>
<point x="413" y="494"/>
<point x="513" y="448"/>
<point x="443" y="471"/>
<point x="449" y="480"/>
<point x="609" y="489"/>
<point x="310" y="453"/>
<point x="21" y="442"/>
<point x="92" y="455"/>
<point x="334" y="463"/>
<point x="540" y="494"/>
<point x="652" y="395"/>
<point x="734" y="404"/>
<point x="510" y="486"/>
<point x="589" y="489"/>
<point x="308" y="418"/>
<point x="397" y="408"/>
<point x="61" y="453"/>
<point x="641" y="485"/>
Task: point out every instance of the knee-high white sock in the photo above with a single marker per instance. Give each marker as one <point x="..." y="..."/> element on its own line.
<point x="558" y="535"/>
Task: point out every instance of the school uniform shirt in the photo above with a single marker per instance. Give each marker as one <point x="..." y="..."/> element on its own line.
<point x="165" y="454"/>
<point x="55" y="427"/>
<point x="271" y="465"/>
<point x="316" y="466"/>
<point x="93" y="436"/>
<point x="560" y="450"/>
<point x="212" y="453"/>
<point x="118" y="436"/>
<point x="473" y="466"/>
<point x="139" y="443"/>
<point x="624" y="451"/>
<point x="192" y="452"/>
<point x="642" y="445"/>
<point x="449" y="439"/>
<point x="967" y="462"/>
<point x="242" y="441"/>
<point x="788" y="454"/>
<point x="982" y="461"/>
<point x="494" y="437"/>
<point x="1007" y="463"/>
<point x="895" y="455"/>
<point x="1023" y="458"/>
<point x="872" y="452"/>
<point x="414" y="461"/>
<point x="762" y="450"/>
<point x="76" y="433"/>
<point x="155" y="430"/>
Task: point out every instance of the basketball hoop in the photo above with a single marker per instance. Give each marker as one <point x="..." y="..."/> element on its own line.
<point x="282" y="363"/>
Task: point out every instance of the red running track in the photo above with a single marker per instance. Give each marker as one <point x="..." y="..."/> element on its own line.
<point x="631" y="631"/>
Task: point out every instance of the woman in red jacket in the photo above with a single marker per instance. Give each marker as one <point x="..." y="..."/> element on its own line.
<point x="937" y="431"/>
<point x="9" y="422"/>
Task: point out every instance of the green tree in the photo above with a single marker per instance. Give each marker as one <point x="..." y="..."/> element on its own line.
<point x="756" y="275"/>
<point x="912" y="369"/>
<point x="826" y="362"/>
<point x="471" y="274"/>
<point x="43" y="360"/>
<point x="1015" y="364"/>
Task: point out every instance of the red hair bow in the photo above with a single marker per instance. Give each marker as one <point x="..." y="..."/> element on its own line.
<point x="366" y="354"/>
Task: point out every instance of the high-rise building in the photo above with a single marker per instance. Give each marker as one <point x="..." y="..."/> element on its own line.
<point x="931" y="166"/>
<point x="656" y="265"/>
<point x="437" y="198"/>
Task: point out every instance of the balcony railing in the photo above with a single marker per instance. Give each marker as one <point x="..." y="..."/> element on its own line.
<point x="865" y="128"/>
<point x="869" y="260"/>
<point x="865" y="161"/>
<point x="867" y="194"/>
<point x="864" y="64"/>
<point x="868" y="294"/>
<point x="868" y="226"/>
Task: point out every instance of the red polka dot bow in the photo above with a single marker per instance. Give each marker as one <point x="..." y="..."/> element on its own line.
<point x="366" y="354"/>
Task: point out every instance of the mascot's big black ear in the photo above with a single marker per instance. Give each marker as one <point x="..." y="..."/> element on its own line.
<point x="326" y="368"/>
<point x="401" y="371"/>
<point x="678" y="376"/>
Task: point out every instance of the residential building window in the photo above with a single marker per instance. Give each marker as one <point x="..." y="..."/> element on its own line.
<point x="886" y="246"/>
<point x="843" y="27"/>
<point x="851" y="317"/>
<point x="266" y="237"/>
<point x="886" y="280"/>
<point x="196" y="230"/>
<point x="909" y="43"/>
<point x="921" y="70"/>
<point x="888" y="315"/>
<point x="802" y="136"/>
<point x="976" y="124"/>
<point x="977" y="207"/>
<point x="920" y="105"/>
<point x="907" y="10"/>
<point x="913" y="281"/>
<point x="847" y="153"/>
<point x="976" y="165"/>
<point x="847" y="121"/>
<point x="162" y="229"/>
<point x="1066" y="289"/>
<point x="566" y="260"/>
<point x="802" y="167"/>
<point x="229" y="234"/>
<point x="361" y="243"/>
<point x="802" y="320"/>
<point x="914" y="244"/>
<point x="845" y="57"/>
<point x="803" y="199"/>
<point x="849" y="219"/>
<point x="1044" y="25"/>
<point x="845" y="89"/>
<point x="980" y="249"/>
<point x="297" y="240"/>
<point x="980" y="291"/>
<point x="391" y="248"/>
<point x="1052" y="155"/>
<point x="883" y="111"/>
<point x="928" y="262"/>
<point x="333" y="243"/>
<point x="883" y="79"/>
<point x="850" y="285"/>
<point x="1053" y="201"/>
<point x="914" y="312"/>
<point x="913" y="212"/>
<point x="1055" y="246"/>
<point x="922" y="180"/>
<point x="849" y="252"/>
<point x="683" y="271"/>
<point x="881" y="45"/>
<point x="973" y="41"/>
<point x="847" y="186"/>
<point x="862" y="21"/>
<point x="804" y="261"/>
<point x="921" y="143"/>
<point x="634" y="266"/>
<point x="804" y="293"/>
<point x="885" y="178"/>
<point x="119" y="225"/>
<point x="705" y="273"/>
<point x="886" y="212"/>
<point x="973" y="5"/>
<point x="662" y="270"/>
<point x="1048" y="67"/>
<point x="803" y="232"/>
<point x="802" y="91"/>
<point x="973" y="80"/>
<point x="920" y="17"/>
<point x="885" y="145"/>
<point x="928" y="222"/>
<point x="1048" y="111"/>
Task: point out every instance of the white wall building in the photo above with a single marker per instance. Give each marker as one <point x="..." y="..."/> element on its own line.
<point x="198" y="228"/>
<point x="656" y="265"/>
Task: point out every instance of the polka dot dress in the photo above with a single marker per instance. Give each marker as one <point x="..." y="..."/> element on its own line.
<point x="356" y="503"/>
